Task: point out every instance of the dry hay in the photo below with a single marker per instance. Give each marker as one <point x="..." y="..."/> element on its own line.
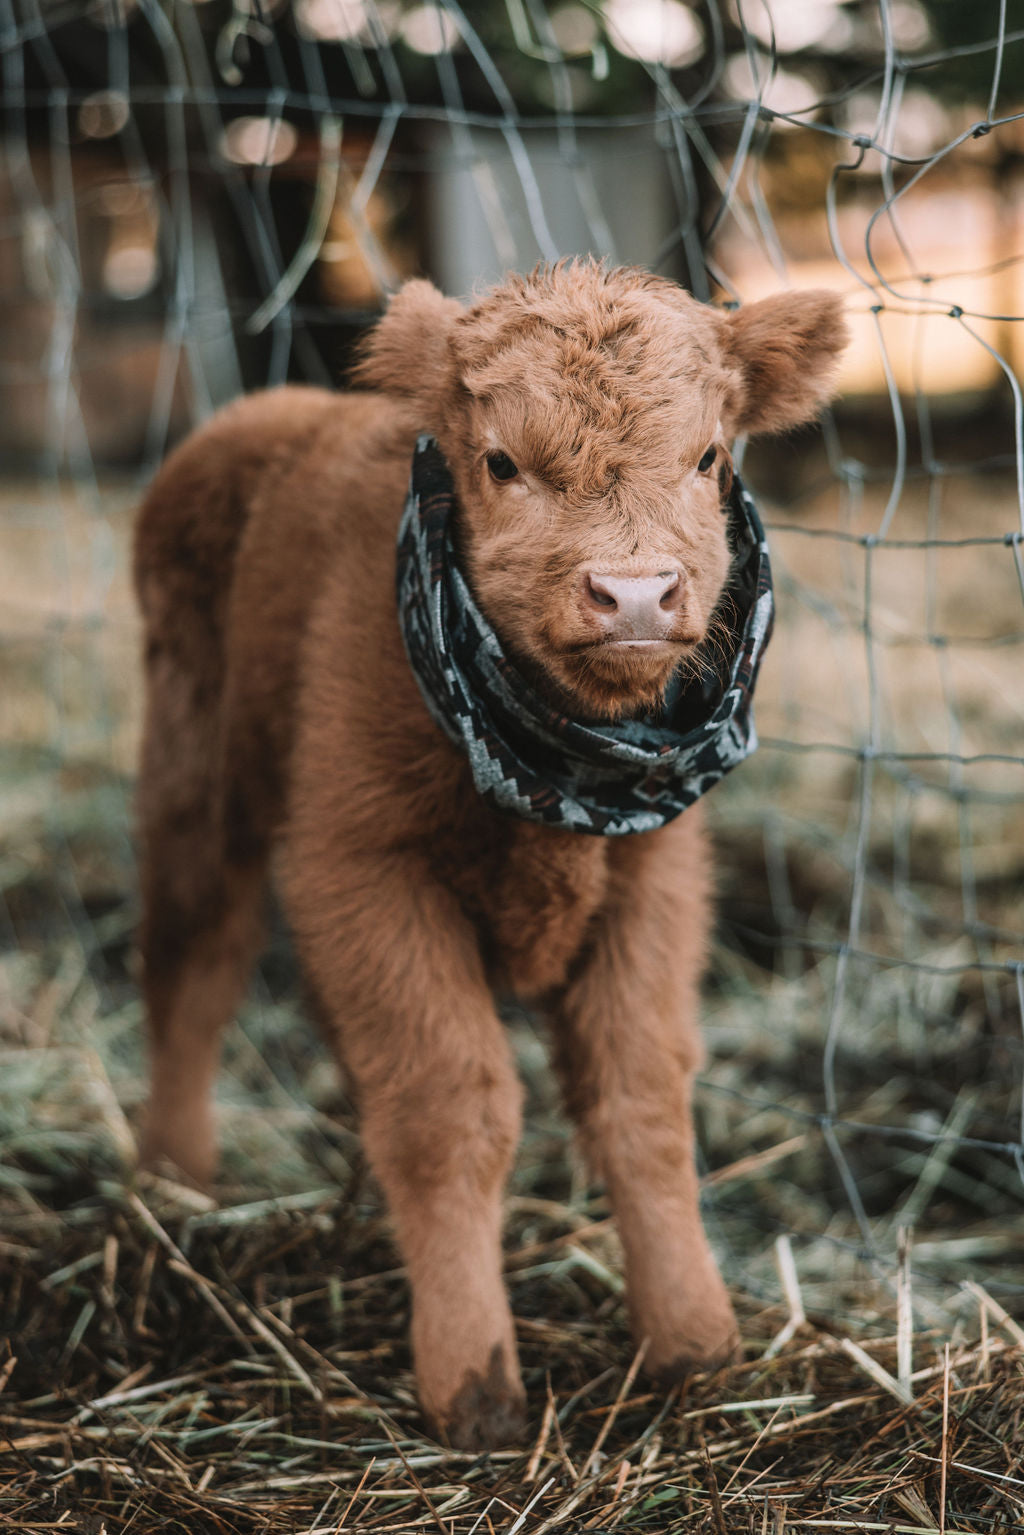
<point x="244" y="1368"/>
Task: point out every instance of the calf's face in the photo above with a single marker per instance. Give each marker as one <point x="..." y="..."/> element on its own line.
<point x="586" y="415"/>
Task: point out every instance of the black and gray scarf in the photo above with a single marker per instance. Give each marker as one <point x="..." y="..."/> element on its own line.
<point x="527" y="758"/>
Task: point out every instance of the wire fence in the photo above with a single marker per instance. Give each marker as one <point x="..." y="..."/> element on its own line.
<point x="197" y="199"/>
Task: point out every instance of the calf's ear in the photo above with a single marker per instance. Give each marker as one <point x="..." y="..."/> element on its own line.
<point x="406" y="353"/>
<point x="784" y="352"/>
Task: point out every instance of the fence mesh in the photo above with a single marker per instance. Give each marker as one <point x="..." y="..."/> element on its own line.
<point x="197" y="199"/>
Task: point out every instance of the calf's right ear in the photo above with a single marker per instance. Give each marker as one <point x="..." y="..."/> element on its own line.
<point x="406" y="353"/>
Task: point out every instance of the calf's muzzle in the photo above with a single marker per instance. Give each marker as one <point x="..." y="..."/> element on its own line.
<point x="632" y="607"/>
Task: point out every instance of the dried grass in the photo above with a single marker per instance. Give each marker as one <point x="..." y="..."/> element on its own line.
<point x="234" y="1370"/>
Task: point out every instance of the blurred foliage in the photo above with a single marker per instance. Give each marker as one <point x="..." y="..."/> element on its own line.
<point x="539" y="56"/>
<point x="968" y="77"/>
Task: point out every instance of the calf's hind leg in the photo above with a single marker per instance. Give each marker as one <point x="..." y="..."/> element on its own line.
<point x="201" y="920"/>
<point x="196" y="961"/>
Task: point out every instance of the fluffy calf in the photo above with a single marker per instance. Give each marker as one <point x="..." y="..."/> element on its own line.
<point x="585" y="415"/>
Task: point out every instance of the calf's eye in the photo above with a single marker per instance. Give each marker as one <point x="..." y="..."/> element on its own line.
<point x="501" y="466"/>
<point x="708" y="459"/>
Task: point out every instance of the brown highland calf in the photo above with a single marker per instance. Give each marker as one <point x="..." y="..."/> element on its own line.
<point x="585" y="414"/>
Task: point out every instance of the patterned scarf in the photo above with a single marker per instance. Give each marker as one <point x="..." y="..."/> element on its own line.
<point x="532" y="761"/>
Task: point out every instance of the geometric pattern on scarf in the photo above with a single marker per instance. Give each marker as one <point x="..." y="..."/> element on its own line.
<point x="527" y="758"/>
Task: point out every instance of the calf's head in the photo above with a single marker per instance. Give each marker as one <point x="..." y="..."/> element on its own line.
<point x="586" y="414"/>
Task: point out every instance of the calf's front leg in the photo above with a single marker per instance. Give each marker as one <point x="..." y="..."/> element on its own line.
<point x="628" y="1048"/>
<point x="397" y="967"/>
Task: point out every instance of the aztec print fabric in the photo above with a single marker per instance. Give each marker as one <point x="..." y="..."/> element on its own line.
<point x="528" y="759"/>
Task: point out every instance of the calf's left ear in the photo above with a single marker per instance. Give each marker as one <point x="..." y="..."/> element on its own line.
<point x="784" y="352"/>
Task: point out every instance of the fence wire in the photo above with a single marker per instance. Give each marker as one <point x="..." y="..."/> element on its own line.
<point x="197" y="199"/>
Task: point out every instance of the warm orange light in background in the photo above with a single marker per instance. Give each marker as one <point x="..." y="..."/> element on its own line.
<point x="957" y="246"/>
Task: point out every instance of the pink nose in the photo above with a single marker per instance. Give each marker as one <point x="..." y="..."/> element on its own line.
<point x="633" y="607"/>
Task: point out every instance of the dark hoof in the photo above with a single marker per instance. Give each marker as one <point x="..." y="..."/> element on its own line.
<point x="695" y="1362"/>
<point x="487" y="1413"/>
<point x="483" y="1423"/>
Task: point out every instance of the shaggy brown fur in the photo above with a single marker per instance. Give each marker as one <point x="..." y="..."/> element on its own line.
<point x="282" y="713"/>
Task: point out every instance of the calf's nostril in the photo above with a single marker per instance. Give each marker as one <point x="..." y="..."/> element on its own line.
<point x="599" y="593"/>
<point x="670" y="596"/>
